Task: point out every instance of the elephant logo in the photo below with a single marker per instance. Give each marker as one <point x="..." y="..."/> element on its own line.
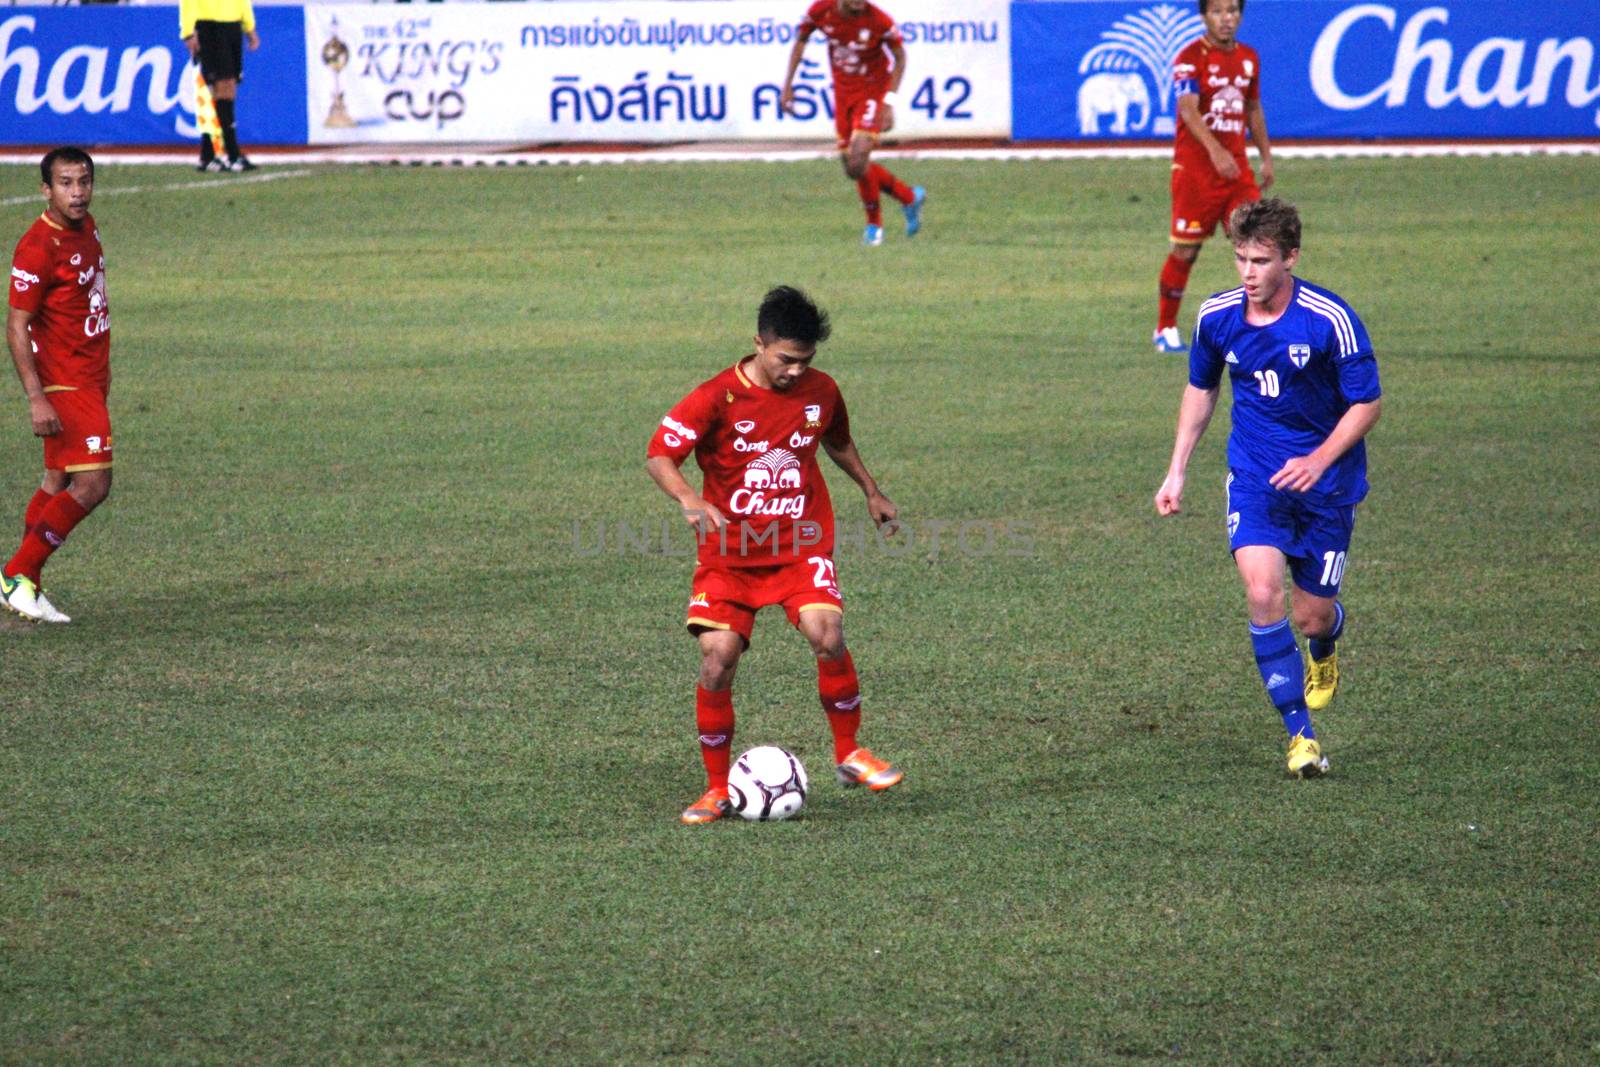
<point x="1110" y="93"/>
<point x="777" y="469"/>
<point x="1133" y="56"/>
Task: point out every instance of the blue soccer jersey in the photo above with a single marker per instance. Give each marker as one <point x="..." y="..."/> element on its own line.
<point x="1293" y="380"/>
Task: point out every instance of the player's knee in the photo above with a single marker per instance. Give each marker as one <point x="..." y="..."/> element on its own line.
<point x="91" y="491"/>
<point x="1314" y="620"/>
<point x="855" y="168"/>
<point x="829" y="645"/>
<point x="716" y="672"/>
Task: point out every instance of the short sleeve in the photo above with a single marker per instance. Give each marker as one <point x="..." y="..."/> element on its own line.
<point x="1253" y="90"/>
<point x="1357" y="364"/>
<point x="30" y="270"/>
<point x="887" y="29"/>
<point x="1205" y="359"/>
<point x="838" y="429"/>
<point x="1183" y="75"/>
<point x="684" y="426"/>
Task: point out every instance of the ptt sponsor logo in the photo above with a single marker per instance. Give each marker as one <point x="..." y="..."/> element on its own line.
<point x="741" y="445"/>
<point x="800" y="440"/>
<point x="679" y="428"/>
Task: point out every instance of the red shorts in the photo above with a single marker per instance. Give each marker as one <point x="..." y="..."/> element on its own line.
<point x="1201" y="200"/>
<point x="858" y="113"/>
<point x="727" y="598"/>
<point x="84" y="443"/>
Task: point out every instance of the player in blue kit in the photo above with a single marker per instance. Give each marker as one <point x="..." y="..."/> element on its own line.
<point x="1305" y="393"/>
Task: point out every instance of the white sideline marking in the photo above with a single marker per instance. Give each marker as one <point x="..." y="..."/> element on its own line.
<point x="444" y="156"/>
<point x="214" y="183"/>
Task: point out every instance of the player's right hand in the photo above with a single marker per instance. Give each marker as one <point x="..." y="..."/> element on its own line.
<point x="786" y="100"/>
<point x="1169" y="498"/>
<point x="46" y="423"/>
<point x="1227" y="166"/>
<point x="704" y="517"/>
<point x="193" y="43"/>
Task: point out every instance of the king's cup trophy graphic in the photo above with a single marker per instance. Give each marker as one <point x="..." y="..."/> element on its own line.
<point x="335" y="56"/>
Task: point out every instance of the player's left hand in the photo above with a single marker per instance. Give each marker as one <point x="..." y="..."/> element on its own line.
<point x="1298" y="474"/>
<point x="883" y="511"/>
<point x="1264" y="173"/>
<point x="253" y="40"/>
<point x="886" y="122"/>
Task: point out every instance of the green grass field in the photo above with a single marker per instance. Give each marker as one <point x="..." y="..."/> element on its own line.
<point x="355" y="754"/>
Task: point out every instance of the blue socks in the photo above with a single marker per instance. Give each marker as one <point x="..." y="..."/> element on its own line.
<point x="1322" y="647"/>
<point x="1283" y="673"/>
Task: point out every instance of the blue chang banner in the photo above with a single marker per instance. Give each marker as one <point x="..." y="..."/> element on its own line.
<point x="1329" y="68"/>
<point x="95" y="75"/>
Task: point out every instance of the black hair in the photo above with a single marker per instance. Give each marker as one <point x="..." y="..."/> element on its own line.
<point x="1205" y="3"/>
<point x="790" y="315"/>
<point x="66" y="154"/>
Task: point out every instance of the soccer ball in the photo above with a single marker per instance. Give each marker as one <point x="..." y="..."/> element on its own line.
<point x="767" y="784"/>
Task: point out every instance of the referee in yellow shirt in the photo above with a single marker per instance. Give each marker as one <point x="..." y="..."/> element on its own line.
<point x="216" y="32"/>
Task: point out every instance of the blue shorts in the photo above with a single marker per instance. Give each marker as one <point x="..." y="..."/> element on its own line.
<point x="1315" y="539"/>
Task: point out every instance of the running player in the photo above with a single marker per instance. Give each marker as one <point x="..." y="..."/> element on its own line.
<point x="1305" y="393"/>
<point x="58" y="328"/>
<point x="861" y="40"/>
<point x="1217" y="81"/>
<point x="765" y="527"/>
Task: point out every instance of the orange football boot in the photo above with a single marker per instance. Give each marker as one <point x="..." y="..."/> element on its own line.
<point x="861" y="767"/>
<point x="709" y="808"/>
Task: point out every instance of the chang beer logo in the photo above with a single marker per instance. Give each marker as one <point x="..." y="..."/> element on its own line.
<point x="91" y="79"/>
<point x="1505" y="72"/>
<point x="1127" y="86"/>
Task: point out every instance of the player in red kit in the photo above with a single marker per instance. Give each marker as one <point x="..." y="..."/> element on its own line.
<point x="1217" y="81"/>
<point x="765" y="527"/>
<point x="861" y="40"/>
<point x="58" y="328"/>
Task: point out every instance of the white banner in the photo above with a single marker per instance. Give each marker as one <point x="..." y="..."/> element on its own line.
<point x="632" y="70"/>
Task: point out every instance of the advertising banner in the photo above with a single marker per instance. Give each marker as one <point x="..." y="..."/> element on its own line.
<point x="630" y="70"/>
<point x="98" y="75"/>
<point x="1329" y="68"/>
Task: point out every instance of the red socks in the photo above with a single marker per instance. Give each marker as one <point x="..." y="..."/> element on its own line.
<point x="55" y="522"/>
<point x="840" y="691"/>
<point x="870" y="185"/>
<point x="35" y="509"/>
<point x="1174" y="276"/>
<point x="713" y="715"/>
<point x="867" y="187"/>
<point x="884" y="180"/>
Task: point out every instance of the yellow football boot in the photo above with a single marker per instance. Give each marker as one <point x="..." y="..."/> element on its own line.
<point x="1306" y="759"/>
<point x="1322" y="681"/>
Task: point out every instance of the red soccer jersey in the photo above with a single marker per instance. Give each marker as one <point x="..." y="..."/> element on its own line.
<point x="1224" y="79"/>
<point x="59" y="274"/>
<point x="855" y="47"/>
<point x="757" y="449"/>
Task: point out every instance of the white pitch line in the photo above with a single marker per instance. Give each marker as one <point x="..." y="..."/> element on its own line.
<point x="214" y="183"/>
